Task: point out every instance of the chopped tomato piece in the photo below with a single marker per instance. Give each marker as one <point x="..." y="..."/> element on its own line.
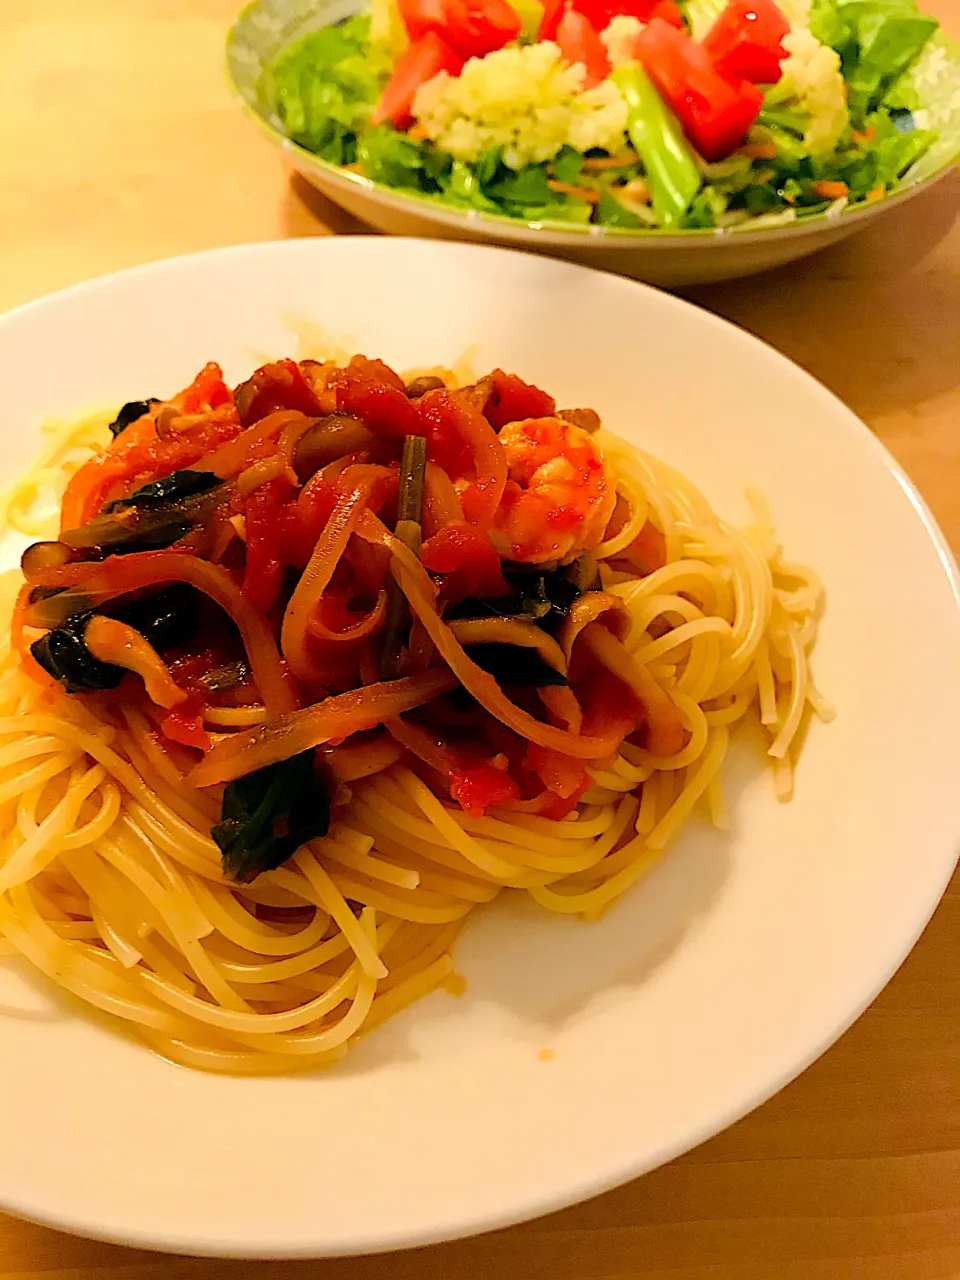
<point x="305" y="519"/>
<point x="280" y="385"/>
<point x="512" y="400"/>
<point x="185" y="725"/>
<point x="599" y="13"/>
<point x="473" y="28"/>
<point x="465" y="445"/>
<point x="715" y="112"/>
<point x="476" y="789"/>
<point x="377" y="371"/>
<point x="559" y="773"/>
<point x="207" y="391"/>
<point x="465" y="555"/>
<point x="557" y="807"/>
<point x="668" y="12"/>
<point x="581" y="45"/>
<point x="745" y="41"/>
<point x="264" y="512"/>
<point x="378" y="405"/>
<point x="425" y="58"/>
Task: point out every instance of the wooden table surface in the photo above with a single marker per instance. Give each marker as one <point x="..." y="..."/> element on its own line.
<point x="119" y="144"/>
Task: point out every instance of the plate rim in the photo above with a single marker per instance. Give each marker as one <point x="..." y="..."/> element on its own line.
<point x="534" y="1206"/>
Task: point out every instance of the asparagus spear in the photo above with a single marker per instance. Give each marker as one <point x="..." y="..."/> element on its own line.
<point x="670" y="168"/>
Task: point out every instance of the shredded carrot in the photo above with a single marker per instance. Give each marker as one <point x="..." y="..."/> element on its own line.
<point x="764" y="177"/>
<point x="417" y="133"/>
<point x="759" y="150"/>
<point x="877" y="192"/>
<point x="579" y="193"/>
<point x="864" y="135"/>
<point x="830" y="190"/>
<point x="620" y="161"/>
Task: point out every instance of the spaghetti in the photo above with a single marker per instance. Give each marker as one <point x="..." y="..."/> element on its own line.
<point x="291" y="693"/>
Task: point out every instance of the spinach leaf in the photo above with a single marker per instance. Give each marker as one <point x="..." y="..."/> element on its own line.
<point x="526" y="187"/>
<point x="513" y="664"/>
<point x="611" y="213"/>
<point x="172" y="488"/>
<point x="267" y="815"/>
<point x="64" y="655"/>
<point x="543" y="596"/>
<point x="130" y="412"/>
<point x="165" y="618"/>
<point x="567" y="165"/>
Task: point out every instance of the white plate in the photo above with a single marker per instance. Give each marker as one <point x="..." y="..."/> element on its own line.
<point x="721" y="976"/>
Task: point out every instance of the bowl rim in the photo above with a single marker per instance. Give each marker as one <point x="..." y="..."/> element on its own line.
<point x="512" y="230"/>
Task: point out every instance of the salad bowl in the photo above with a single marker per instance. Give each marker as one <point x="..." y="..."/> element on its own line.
<point x="667" y="256"/>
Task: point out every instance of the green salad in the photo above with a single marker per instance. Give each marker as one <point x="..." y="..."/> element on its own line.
<point x="633" y="114"/>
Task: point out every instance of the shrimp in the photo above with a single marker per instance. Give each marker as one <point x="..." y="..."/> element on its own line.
<point x="560" y="491"/>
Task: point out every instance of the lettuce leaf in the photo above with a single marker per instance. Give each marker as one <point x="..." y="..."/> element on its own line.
<point x="324" y="87"/>
<point x="930" y="92"/>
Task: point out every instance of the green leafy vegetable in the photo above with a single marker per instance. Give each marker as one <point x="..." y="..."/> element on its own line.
<point x="172" y="488"/>
<point x="708" y="205"/>
<point x="155" y="516"/>
<point x="166" y="618"/>
<point x="391" y="158"/>
<point x="567" y="165"/>
<point x="529" y="186"/>
<point x="879" y="41"/>
<point x="267" y="815"/>
<point x="512" y="664"/>
<point x="64" y="655"/>
<point x="930" y="91"/>
<point x="131" y="412"/>
<point x="613" y="213"/>
<point x="324" y="87"/>
<point x="543" y="596"/>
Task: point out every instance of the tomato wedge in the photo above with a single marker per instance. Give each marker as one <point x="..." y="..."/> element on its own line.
<point x="579" y="43"/>
<point x="715" y="112"/>
<point x="600" y="13"/>
<point x="745" y="41"/>
<point x="473" y="28"/>
<point x="419" y="62"/>
<point x="465" y="555"/>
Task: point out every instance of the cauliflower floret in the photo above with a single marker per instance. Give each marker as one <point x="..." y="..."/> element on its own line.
<point x="812" y="86"/>
<point x="526" y="100"/>
<point x="620" y="36"/>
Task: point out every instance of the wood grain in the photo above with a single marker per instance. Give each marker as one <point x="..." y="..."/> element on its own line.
<point x="119" y="144"/>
